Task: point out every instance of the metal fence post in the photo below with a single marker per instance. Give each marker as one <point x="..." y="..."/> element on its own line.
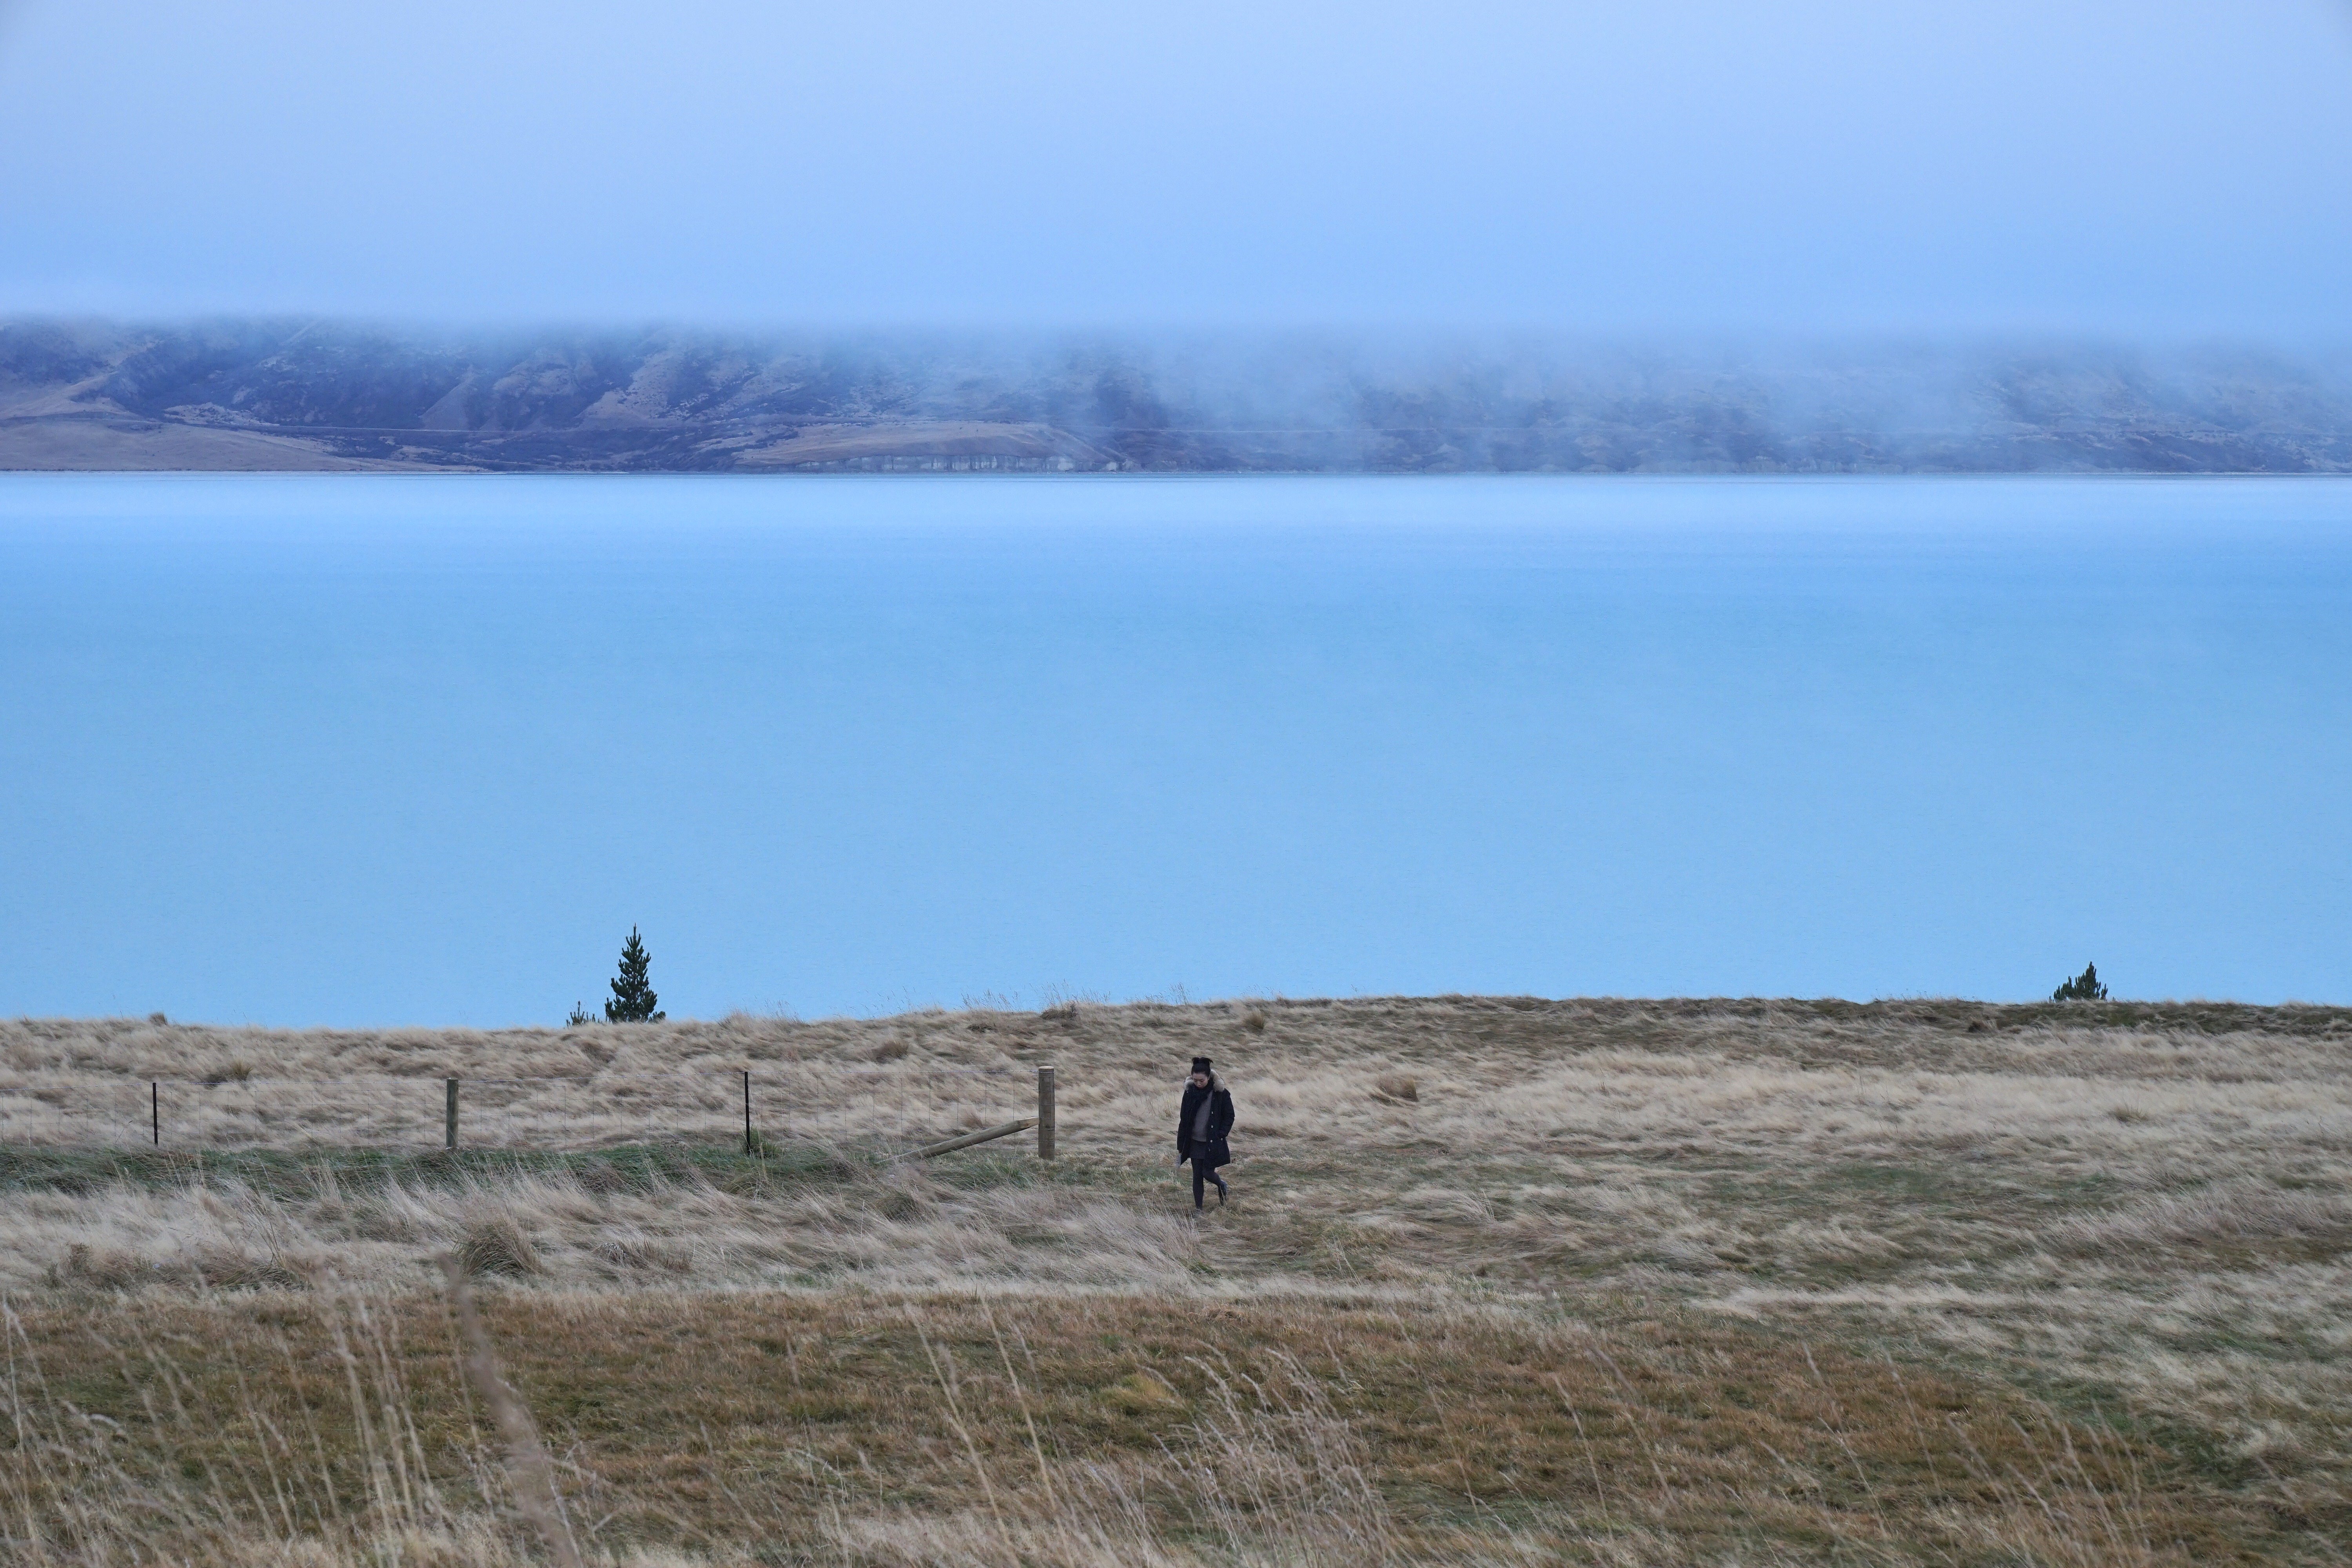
<point x="1045" y="1113"/>
<point x="747" y="1110"/>
<point x="155" y="1110"/>
<point x="449" y="1116"/>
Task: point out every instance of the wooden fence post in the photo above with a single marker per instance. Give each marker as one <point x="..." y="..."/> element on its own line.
<point x="449" y="1116"/>
<point x="929" y="1150"/>
<point x="1045" y="1113"/>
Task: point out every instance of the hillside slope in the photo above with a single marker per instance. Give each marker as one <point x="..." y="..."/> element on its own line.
<point x="1514" y="1280"/>
<point x="263" y="395"/>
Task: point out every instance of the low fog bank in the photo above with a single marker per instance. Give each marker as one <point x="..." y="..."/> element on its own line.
<point x="284" y="395"/>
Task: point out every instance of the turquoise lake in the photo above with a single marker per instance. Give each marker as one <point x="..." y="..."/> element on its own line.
<point x="369" y="748"/>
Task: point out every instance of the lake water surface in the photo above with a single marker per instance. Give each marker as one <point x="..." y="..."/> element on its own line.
<point x="355" y="749"/>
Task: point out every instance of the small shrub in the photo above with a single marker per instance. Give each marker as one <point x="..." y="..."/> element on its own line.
<point x="2083" y="988"/>
<point x="579" y="1016"/>
<point x="1396" y="1085"/>
<point x="893" y="1049"/>
<point x="1254" y="1021"/>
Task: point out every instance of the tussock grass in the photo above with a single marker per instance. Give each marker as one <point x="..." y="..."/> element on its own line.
<point x="1101" y="1430"/>
<point x="2126" y="1226"/>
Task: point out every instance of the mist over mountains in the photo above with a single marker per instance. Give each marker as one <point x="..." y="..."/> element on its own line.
<point x="278" y="395"/>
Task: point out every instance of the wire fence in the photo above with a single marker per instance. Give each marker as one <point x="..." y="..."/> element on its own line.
<point x="902" y="1106"/>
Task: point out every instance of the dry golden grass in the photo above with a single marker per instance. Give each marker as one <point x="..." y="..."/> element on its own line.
<point x="842" y="1426"/>
<point x="2123" y="1228"/>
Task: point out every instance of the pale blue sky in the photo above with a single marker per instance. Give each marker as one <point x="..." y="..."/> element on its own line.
<point x="2151" y="168"/>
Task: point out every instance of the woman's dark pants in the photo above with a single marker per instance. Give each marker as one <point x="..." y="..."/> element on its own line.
<point x="1201" y="1176"/>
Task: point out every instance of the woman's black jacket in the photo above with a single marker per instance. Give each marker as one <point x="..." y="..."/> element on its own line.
<point x="1205" y="1156"/>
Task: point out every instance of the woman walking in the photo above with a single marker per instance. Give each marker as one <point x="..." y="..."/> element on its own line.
<point x="1206" y="1116"/>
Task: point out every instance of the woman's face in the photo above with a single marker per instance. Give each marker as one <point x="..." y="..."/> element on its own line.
<point x="1199" y="1080"/>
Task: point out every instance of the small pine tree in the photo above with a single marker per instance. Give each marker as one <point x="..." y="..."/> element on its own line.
<point x="633" y="1000"/>
<point x="2083" y="988"/>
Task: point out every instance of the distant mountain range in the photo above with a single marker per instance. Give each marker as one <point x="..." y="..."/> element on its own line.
<point x="274" y="394"/>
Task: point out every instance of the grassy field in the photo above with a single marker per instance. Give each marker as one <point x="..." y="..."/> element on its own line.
<point x="1504" y="1281"/>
